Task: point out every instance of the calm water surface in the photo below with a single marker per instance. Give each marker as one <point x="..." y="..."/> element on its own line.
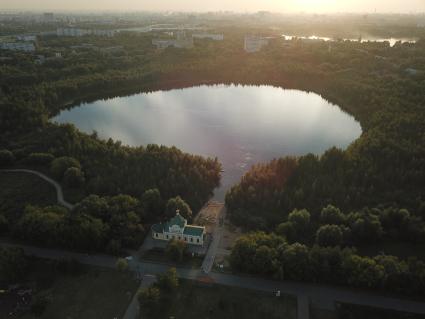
<point x="364" y="39"/>
<point x="241" y="125"/>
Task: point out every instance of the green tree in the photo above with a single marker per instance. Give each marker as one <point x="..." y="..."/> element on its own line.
<point x="288" y="231"/>
<point x="264" y="260"/>
<point x="329" y="235"/>
<point x="300" y="219"/>
<point x="168" y="281"/>
<point x="95" y="206"/>
<point x="295" y="262"/>
<point x="152" y="203"/>
<point x="177" y="203"/>
<point x="243" y="250"/>
<point x="149" y="298"/>
<point x="176" y="249"/>
<point x="363" y="272"/>
<point x="42" y="225"/>
<point x="73" y="177"/>
<point x="365" y="227"/>
<point x="59" y="166"/>
<point x="330" y="215"/>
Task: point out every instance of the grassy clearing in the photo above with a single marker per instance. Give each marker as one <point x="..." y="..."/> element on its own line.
<point x="95" y="293"/>
<point x="194" y="301"/>
<point x="19" y="189"/>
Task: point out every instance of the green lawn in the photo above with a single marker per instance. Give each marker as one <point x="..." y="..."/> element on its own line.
<point x="96" y="293"/>
<point x="194" y="301"/>
<point x="19" y="189"/>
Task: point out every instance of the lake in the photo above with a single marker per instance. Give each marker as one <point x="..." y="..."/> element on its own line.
<point x="241" y="125"/>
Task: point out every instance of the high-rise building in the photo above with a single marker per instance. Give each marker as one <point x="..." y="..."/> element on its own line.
<point x="254" y="43"/>
<point x="48" y="17"/>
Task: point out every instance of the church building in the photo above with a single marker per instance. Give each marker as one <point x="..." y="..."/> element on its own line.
<point x="178" y="228"/>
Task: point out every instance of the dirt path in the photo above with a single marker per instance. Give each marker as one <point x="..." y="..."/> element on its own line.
<point x="59" y="193"/>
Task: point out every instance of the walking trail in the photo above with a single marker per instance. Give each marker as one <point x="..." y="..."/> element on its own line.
<point x="59" y="193"/>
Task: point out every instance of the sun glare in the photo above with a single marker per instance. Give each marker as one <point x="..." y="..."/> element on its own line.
<point x="316" y="5"/>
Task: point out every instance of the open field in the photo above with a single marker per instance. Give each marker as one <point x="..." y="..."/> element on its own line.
<point x="19" y="189"/>
<point x="95" y="293"/>
<point x="193" y="300"/>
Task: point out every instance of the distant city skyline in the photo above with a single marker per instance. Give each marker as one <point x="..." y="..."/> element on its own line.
<point x="320" y="6"/>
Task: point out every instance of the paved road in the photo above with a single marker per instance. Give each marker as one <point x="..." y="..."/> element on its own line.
<point x="301" y="290"/>
<point x="208" y="262"/>
<point x="133" y="309"/>
<point x="59" y="193"/>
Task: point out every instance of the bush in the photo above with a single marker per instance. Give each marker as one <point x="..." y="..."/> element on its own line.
<point x="40" y="158"/>
<point x="73" y="177"/>
<point x="122" y="265"/>
<point x="175" y="249"/>
<point x="61" y="164"/>
<point x="179" y="204"/>
<point x="149" y="298"/>
<point x="6" y="158"/>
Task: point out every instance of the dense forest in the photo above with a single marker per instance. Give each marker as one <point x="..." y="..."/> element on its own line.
<point x="384" y="167"/>
<point x="270" y="255"/>
<point x="381" y="86"/>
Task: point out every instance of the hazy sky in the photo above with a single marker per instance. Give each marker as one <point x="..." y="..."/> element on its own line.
<point x="222" y="5"/>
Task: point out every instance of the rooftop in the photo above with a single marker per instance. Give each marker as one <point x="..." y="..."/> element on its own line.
<point x="194" y="230"/>
<point x="177" y="220"/>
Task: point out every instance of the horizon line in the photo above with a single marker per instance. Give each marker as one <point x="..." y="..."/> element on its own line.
<point x="37" y="10"/>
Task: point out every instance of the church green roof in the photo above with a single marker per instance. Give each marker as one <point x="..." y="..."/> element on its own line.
<point x="177" y="220"/>
<point x="158" y="228"/>
<point x="193" y="230"/>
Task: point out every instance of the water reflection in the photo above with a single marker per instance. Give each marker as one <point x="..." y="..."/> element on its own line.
<point x="241" y="125"/>
<point x="363" y="39"/>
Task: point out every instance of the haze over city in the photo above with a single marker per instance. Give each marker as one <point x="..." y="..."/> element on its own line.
<point x="398" y="6"/>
